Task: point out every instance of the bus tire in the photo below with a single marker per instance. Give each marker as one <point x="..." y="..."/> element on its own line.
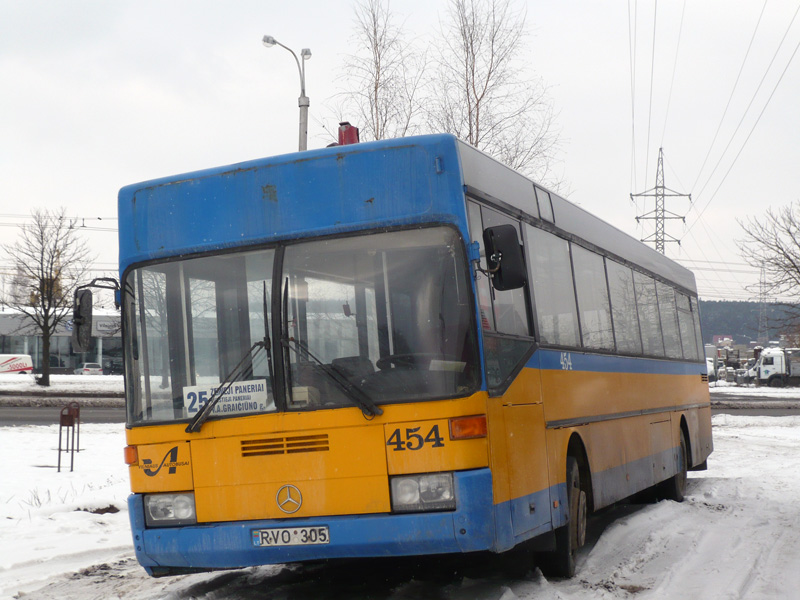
<point x="674" y="488"/>
<point x="570" y="537"/>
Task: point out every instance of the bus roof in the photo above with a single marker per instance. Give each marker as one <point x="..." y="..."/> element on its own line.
<point x="484" y="173"/>
<point x="343" y="188"/>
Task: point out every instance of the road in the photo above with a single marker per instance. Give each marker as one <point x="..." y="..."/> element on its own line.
<point x="756" y="412"/>
<point x="742" y="403"/>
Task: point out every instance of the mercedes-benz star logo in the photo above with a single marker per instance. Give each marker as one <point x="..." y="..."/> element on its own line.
<point x="289" y="499"/>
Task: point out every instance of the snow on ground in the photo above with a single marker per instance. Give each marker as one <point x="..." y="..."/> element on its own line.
<point x="89" y="384"/>
<point x="735" y="536"/>
<point x="727" y="389"/>
<point x="51" y="521"/>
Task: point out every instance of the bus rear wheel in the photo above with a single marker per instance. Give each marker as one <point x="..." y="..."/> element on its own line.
<point x="674" y="488"/>
<point x="572" y="536"/>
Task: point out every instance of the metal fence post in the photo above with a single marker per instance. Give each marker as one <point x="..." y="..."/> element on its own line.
<point x="70" y="416"/>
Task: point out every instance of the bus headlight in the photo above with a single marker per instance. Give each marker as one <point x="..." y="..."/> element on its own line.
<point x="163" y="510"/>
<point x="417" y="493"/>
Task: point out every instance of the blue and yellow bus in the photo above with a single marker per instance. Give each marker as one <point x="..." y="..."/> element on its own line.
<point x="393" y="348"/>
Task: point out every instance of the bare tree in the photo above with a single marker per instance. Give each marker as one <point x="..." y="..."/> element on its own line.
<point x="478" y="88"/>
<point x="51" y="260"/>
<point x="772" y="243"/>
<point x="383" y="79"/>
<point x="481" y="93"/>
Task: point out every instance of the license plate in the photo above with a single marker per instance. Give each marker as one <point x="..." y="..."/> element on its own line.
<point x="291" y="536"/>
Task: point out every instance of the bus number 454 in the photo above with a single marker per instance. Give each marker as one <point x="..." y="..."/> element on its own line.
<point x="412" y="440"/>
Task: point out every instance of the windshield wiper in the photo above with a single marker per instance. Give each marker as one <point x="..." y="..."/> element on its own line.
<point x="356" y="396"/>
<point x="202" y="415"/>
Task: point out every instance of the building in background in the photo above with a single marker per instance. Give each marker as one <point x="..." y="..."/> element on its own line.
<point x="18" y="335"/>
<point x="723" y="340"/>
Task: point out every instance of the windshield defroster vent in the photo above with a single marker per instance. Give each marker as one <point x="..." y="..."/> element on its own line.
<point x="285" y="445"/>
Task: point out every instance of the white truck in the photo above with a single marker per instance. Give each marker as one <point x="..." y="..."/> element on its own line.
<point x="16" y="363"/>
<point x="776" y="367"/>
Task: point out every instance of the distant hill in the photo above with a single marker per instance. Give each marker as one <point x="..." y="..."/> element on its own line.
<point x="739" y="320"/>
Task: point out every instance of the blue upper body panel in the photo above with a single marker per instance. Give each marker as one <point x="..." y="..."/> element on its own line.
<point x="319" y="192"/>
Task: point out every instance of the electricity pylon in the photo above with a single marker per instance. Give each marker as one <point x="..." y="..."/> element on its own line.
<point x="763" y="326"/>
<point x="660" y="214"/>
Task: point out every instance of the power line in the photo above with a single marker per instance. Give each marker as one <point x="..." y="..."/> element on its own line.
<point x="710" y="236"/>
<point x="726" y="270"/>
<point x="652" y="77"/>
<point x="711" y="262"/>
<point x="761" y="114"/>
<point x="674" y="69"/>
<point x="673" y="172"/>
<point x="717" y="275"/>
<point x="730" y="96"/>
<point x="752" y="99"/>
<point x="632" y="61"/>
<point x="19" y="216"/>
<point x="81" y="227"/>
<point x="93" y="266"/>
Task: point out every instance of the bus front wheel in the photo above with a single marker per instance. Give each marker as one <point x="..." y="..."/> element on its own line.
<point x="570" y="537"/>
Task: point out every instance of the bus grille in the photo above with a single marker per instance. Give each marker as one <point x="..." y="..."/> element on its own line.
<point x="704" y="378"/>
<point x="285" y="445"/>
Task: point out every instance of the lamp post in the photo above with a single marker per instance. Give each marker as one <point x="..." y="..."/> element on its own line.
<point x="302" y="101"/>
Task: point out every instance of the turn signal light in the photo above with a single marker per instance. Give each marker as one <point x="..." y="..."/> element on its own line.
<point x="131" y="455"/>
<point x="466" y="428"/>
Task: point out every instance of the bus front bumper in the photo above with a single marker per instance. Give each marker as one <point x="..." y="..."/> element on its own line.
<point x="230" y="545"/>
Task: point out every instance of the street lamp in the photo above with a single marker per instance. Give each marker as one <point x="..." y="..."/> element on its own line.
<point x="302" y="101"/>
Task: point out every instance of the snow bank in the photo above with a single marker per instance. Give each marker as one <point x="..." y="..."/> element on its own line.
<point x="59" y="384"/>
<point x="733" y="390"/>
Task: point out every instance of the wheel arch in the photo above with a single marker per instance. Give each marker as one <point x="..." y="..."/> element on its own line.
<point x="684" y="427"/>
<point x="775" y="380"/>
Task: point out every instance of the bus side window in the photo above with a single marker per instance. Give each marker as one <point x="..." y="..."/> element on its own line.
<point x="623" y="308"/>
<point x="545" y="204"/>
<point x="592" y="292"/>
<point x="501" y="312"/>
<point x="508" y="308"/>
<point x="669" y="320"/>
<point x="553" y="291"/>
<point x="686" y="327"/>
<point x="697" y="332"/>
<point x="482" y="283"/>
<point x="647" y="306"/>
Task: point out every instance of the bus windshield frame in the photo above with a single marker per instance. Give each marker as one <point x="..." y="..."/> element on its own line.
<point x="389" y="313"/>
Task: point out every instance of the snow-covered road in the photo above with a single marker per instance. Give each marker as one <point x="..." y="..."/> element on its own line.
<point x="736" y="535"/>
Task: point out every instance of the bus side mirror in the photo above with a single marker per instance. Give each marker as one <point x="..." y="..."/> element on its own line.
<point x="504" y="257"/>
<point x="82" y="320"/>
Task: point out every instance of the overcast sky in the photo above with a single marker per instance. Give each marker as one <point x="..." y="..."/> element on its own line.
<point x="97" y="95"/>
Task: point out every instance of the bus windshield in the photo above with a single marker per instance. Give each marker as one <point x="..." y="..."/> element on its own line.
<point x="387" y="313"/>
